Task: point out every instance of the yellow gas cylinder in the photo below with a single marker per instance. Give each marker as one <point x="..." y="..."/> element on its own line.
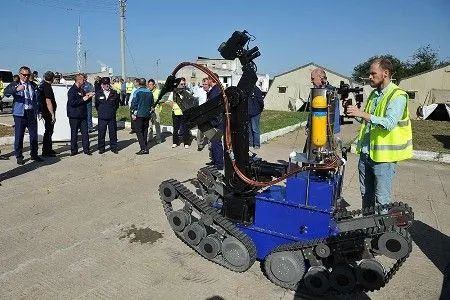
<point x="319" y="121"/>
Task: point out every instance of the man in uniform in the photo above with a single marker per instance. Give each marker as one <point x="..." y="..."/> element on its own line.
<point x="77" y="114"/>
<point x="385" y="136"/>
<point x="107" y="102"/>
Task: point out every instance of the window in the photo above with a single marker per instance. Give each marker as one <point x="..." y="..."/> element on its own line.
<point x="282" y="89"/>
<point x="411" y="94"/>
<point x="225" y="79"/>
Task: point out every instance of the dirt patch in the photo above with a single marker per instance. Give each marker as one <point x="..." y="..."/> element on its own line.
<point x="141" y="235"/>
<point x="6" y="130"/>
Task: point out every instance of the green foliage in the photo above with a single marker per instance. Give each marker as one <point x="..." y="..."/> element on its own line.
<point x="362" y="70"/>
<point x="424" y="59"/>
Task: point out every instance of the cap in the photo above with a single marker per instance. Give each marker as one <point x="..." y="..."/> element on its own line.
<point x="105" y="80"/>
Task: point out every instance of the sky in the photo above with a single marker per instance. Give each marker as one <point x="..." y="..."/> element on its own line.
<point x="337" y="35"/>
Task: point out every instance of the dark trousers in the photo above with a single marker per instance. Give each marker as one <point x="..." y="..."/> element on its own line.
<point x="141" y="127"/>
<point x="75" y="125"/>
<point x="217" y="152"/>
<point x="127" y="98"/>
<point x="29" y="121"/>
<point x="123" y="97"/>
<point x="132" y="122"/>
<point x="112" y="130"/>
<point x="180" y="130"/>
<point x="47" y="139"/>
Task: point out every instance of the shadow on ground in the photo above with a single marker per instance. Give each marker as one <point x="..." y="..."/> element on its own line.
<point x="436" y="246"/>
<point x="444" y="139"/>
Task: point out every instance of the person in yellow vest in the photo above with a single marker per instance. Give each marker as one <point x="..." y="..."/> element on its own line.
<point x="180" y="129"/>
<point x="154" y="117"/>
<point x="385" y="136"/>
<point x="129" y="88"/>
<point x="116" y="86"/>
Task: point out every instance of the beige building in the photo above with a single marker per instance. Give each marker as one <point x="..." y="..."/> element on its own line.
<point x="423" y="88"/>
<point x="290" y="90"/>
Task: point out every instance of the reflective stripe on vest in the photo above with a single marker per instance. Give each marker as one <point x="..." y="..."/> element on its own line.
<point x="388" y="146"/>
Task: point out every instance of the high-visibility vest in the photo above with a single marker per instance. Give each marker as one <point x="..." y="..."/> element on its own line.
<point x="129" y="86"/>
<point x="155" y="93"/>
<point x="393" y="145"/>
<point x="176" y="110"/>
<point x="117" y="86"/>
<point x="2" y="88"/>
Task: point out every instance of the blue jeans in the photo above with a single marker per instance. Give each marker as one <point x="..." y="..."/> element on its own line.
<point x="375" y="181"/>
<point x="253" y="130"/>
<point x="89" y="115"/>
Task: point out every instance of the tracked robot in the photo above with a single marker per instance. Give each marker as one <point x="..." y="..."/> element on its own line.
<point x="289" y="217"/>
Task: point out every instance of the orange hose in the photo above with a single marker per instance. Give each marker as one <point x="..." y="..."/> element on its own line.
<point x="331" y="165"/>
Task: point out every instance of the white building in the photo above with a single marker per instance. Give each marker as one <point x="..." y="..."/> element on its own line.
<point x="290" y="90"/>
<point x="229" y="72"/>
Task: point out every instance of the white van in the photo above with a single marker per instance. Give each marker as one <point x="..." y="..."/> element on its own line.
<point x="7" y="78"/>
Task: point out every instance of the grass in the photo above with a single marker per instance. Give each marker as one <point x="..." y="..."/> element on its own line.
<point x="270" y="119"/>
<point x="431" y="135"/>
<point x="427" y="135"/>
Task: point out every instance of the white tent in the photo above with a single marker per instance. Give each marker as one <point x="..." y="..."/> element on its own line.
<point x="436" y="105"/>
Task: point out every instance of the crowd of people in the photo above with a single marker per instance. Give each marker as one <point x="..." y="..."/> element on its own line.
<point x="34" y="98"/>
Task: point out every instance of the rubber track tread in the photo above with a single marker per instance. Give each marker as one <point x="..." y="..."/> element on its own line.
<point x="221" y="221"/>
<point x="345" y="236"/>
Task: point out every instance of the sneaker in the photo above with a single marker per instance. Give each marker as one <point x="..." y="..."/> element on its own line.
<point x="186" y="146"/>
<point x="174" y="145"/>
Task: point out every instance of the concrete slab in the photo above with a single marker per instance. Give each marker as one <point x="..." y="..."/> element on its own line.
<point x="67" y="227"/>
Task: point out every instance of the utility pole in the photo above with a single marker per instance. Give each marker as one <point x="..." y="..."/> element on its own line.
<point x="157" y="71"/>
<point x="122" y="34"/>
<point x="79" y="66"/>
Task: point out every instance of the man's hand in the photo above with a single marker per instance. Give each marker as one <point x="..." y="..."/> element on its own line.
<point x="133" y="117"/>
<point x="353" y="111"/>
<point x="20" y="87"/>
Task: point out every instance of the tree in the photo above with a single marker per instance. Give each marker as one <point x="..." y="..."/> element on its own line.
<point x="424" y="59"/>
<point x="361" y="71"/>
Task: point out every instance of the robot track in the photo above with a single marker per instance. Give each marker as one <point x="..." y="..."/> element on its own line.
<point x="344" y="264"/>
<point x="206" y="231"/>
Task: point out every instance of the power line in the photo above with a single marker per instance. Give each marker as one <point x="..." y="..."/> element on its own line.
<point x="131" y="55"/>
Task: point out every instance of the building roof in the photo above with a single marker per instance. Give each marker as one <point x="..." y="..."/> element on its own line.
<point x="202" y="57"/>
<point x="319" y="66"/>
<point x="424" y="72"/>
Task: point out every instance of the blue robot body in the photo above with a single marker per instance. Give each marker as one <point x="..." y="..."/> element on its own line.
<point x="293" y="213"/>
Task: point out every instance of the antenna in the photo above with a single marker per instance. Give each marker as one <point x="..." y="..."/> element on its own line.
<point x="79" y="64"/>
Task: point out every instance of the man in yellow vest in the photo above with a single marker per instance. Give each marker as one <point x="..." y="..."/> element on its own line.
<point x="129" y="88"/>
<point x="385" y="136"/>
<point x="154" y="117"/>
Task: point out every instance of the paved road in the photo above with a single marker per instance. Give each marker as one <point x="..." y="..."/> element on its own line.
<point x="93" y="227"/>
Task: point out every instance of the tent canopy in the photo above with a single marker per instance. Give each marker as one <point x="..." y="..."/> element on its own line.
<point x="436" y="106"/>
